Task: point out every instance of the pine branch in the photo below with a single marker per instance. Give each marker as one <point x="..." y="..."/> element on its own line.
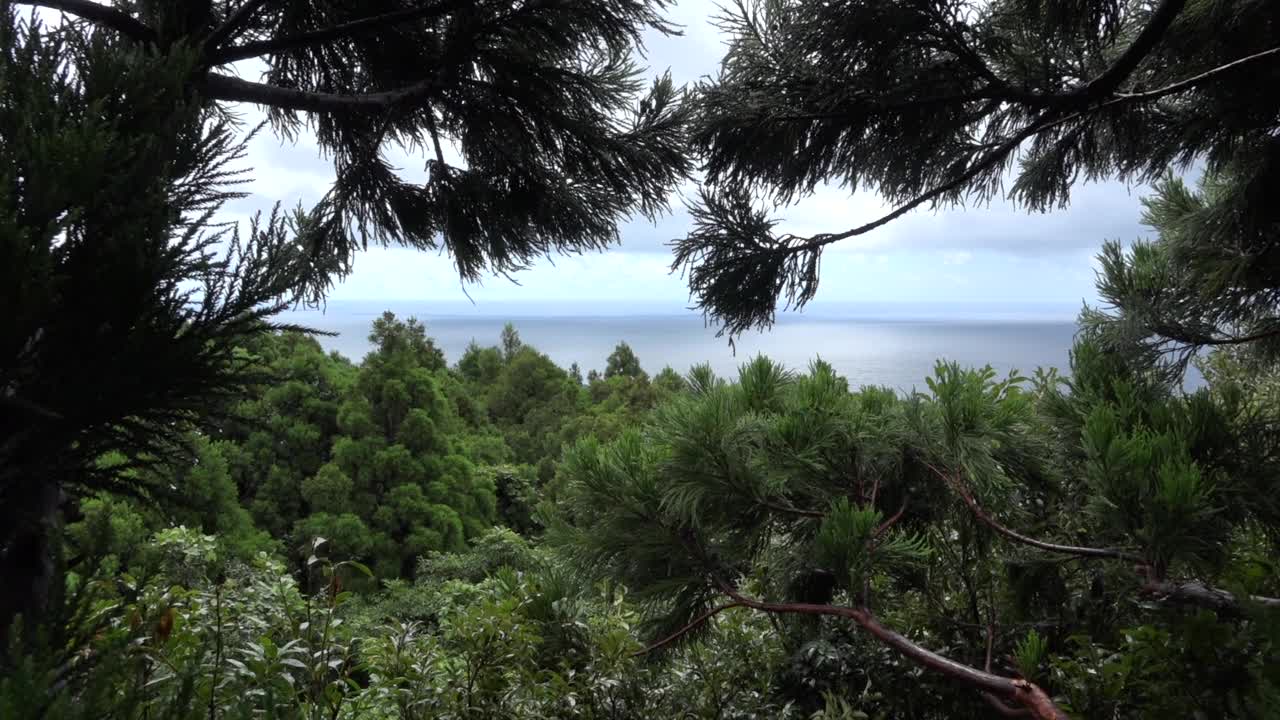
<point x="1021" y="692"/>
<point x="794" y="259"/>
<point x="1110" y="80"/>
<point x="883" y="527"/>
<point x="335" y="32"/>
<point x="234" y="23"/>
<point x="1047" y="121"/>
<point x="100" y="14"/>
<point x="996" y="703"/>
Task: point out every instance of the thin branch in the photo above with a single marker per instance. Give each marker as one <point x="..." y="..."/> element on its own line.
<point x="996" y="703"/>
<point x="687" y="628"/>
<point x="224" y="87"/>
<point x="1188" y="593"/>
<point x="793" y="510"/>
<point x="1046" y="121"/>
<point x="103" y="15"/>
<point x="335" y="32"/>
<point x="893" y="520"/>
<point x="1076" y="550"/>
<point x="1201" y="595"/>
<point x="1022" y="692"/>
<point x="1110" y="80"/>
<point x="234" y="23"/>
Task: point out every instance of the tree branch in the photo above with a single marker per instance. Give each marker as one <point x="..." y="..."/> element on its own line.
<point x="1022" y="692"/>
<point x="1047" y="121"/>
<point x="103" y="15"/>
<point x="793" y="510"/>
<point x="1201" y="595"/>
<point x="687" y="628"/>
<point x="996" y="703"/>
<point x="234" y="23"/>
<point x="335" y="32"/>
<point x="1110" y="80"/>
<point x="224" y="87"/>
<point x="883" y="527"/>
<point x="1080" y="551"/>
<point x="1186" y="593"/>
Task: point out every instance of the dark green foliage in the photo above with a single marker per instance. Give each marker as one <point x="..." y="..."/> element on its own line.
<point x="622" y="362"/>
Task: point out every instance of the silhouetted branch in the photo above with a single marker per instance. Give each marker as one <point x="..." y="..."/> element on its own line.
<point x="347" y="29"/>
<point x="225" y="87"/>
<point x="234" y="23"/>
<point x="103" y="15"/>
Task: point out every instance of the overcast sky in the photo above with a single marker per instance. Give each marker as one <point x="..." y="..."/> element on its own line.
<point x="995" y="254"/>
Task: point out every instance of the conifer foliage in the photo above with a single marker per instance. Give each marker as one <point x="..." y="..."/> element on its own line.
<point x="936" y="102"/>
<point x="940" y="517"/>
<point x="123" y="302"/>
<point x="558" y="137"/>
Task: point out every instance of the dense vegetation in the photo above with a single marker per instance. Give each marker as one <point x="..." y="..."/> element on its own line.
<point x="203" y="515"/>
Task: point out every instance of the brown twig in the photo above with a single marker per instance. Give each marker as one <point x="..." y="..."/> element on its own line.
<point x="686" y="629"/>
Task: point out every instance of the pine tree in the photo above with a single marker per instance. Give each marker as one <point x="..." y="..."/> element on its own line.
<point x="935" y="102"/>
<point x="542" y="100"/>
<point x="123" y="302"/>
<point x="955" y="518"/>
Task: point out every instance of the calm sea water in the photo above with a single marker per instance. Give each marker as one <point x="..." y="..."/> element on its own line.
<point x="871" y="345"/>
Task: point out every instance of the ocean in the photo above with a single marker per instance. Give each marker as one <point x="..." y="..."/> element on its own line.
<point x="892" y="345"/>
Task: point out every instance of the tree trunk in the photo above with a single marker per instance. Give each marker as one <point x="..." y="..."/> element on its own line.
<point x="28" y="560"/>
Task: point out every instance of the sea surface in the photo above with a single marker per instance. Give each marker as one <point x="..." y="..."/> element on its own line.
<point x="888" y="345"/>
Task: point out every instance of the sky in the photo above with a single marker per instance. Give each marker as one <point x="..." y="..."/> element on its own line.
<point x="996" y="254"/>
